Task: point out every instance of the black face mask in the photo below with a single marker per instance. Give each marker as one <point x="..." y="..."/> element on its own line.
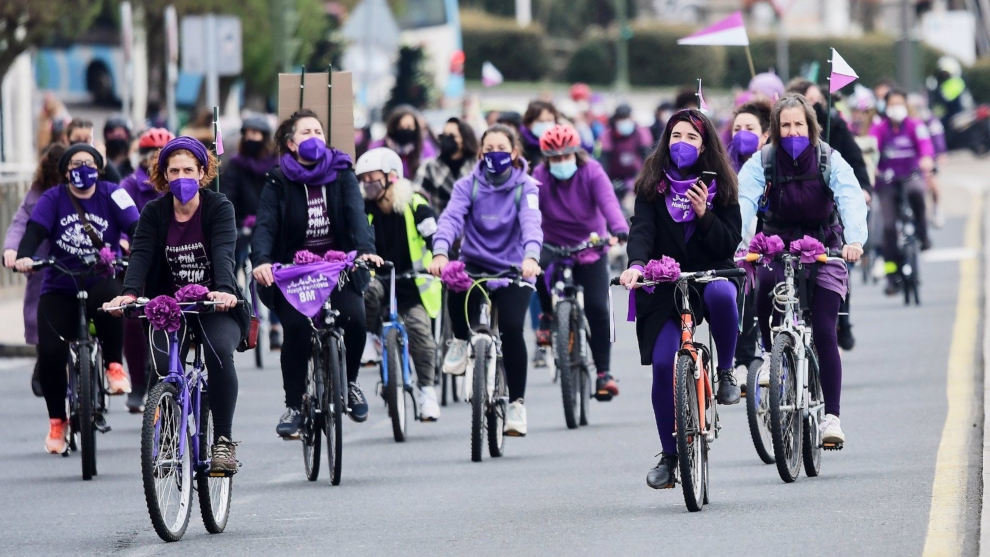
<point x="404" y="136"/>
<point x="117" y="147"/>
<point x="448" y="145"/>
<point x="252" y="147"/>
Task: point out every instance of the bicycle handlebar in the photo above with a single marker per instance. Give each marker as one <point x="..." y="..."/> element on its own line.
<point x="90" y="260"/>
<point x="207" y="305"/>
<point x="696" y="276"/>
<point x="591" y="243"/>
<point x="830" y="255"/>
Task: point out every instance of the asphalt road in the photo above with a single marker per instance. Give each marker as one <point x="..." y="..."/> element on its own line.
<point x="568" y="492"/>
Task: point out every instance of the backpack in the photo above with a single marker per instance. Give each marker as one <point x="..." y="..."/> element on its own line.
<point x="768" y="157"/>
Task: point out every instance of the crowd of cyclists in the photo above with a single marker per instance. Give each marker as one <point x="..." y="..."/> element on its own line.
<point x="694" y="186"/>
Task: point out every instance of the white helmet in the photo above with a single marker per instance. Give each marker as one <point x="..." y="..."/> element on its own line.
<point x="381" y="158"/>
<point x="949" y="65"/>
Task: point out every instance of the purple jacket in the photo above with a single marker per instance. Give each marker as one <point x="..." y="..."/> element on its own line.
<point x="499" y="230"/>
<point x="34" y="280"/>
<point x="572" y="210"/>
<point x="408" y="168"/>
<point x="139" y="188"/>
<point x="901" y="148"/>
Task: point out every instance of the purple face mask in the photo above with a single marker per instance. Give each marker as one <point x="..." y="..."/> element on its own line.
<point x="84" y="177"/>
<point x="497" y="162"/>
<point x="312" y="149"/>
<point x="745" y="143"/>
<point x="794" y="146"/>
<point x="683" y="154"/>
<point x="184" y="189"/>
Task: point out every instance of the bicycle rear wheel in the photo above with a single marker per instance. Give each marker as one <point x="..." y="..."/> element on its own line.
<point x="496" y="413"/>
<point x="312" y="428"/>
<point x="478" y="395"/>
<point x="259" y="349"/>
<point x="214" y="492"/>
<point x="690" y="439"/>
<point x="395" y="392"/>
<point x="811" y="446"/>
<point x="785" y="417"/>
<point x="88" y="393"/>
<point x="338" y="399"/>
<point x="565" y="341"/>
<point x="758" y="412"/>
<point x="909" y="272"/>
<point x="165" y="473"/>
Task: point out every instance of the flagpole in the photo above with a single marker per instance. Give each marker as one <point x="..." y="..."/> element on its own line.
<point x="828" y="116"/>
<point x="749" y="58"/>
<point x="216" y="127"/>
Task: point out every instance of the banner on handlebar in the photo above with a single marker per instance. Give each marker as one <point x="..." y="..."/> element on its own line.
<point x="307" y="287"/>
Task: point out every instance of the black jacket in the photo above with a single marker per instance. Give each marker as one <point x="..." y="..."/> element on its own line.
<point x="283" y="215"/>
<point x="842" y="140"/>
<point x="653" y="234"/>
<point x="243" y="188"/>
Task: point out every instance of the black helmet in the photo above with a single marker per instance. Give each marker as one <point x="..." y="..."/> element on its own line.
<point x="259" y="123"/>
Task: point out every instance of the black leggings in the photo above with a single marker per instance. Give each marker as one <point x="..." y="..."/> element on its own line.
<point x="219" y="335"/>
<point x="58" y="322"/>
<point x="512" y="302"/>
<point x="297" y="342"/>
<point x="594" y="279"/>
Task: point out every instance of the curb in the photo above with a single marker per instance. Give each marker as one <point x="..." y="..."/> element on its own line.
<point x="17" y="351"/>
<point x="984" y="538"/>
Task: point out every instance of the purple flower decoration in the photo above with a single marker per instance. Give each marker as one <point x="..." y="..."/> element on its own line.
<point x="665" y="269"/>
<point x="249" y="221"/>
<point x="455" y="277"/>
<point x="192" y="293"/>
<point x="107" y="257"/>
<point x="808" y="248"/>
<point x="163" y="314"/>
<point x="334" y="256"/>
<point x="304" y="257"/>
<point x="766" y="245"/>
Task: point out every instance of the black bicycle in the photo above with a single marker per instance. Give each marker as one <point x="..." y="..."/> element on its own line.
<point x="909" y="248"/>
<point x="251" y="287"/>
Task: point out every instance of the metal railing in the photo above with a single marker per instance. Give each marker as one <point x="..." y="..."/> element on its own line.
<point x="12" y="191"/>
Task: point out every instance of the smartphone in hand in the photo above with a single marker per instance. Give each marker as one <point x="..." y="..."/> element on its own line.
<point x="707" y="177"/>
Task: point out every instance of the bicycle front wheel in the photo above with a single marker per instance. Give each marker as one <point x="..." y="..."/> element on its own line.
<point x="334" y="421"/>
<point x="312" y="431"/>
<point x="690" y="439"/>
<point x="568" y="368"/>
<point x="88" y="393"/>
<point x="395" y="385"/>
<point x="166" y="471"/>
<point x="758" y="412"/>
<point x="496" y="413"/>
<point x="214" y="492"/>
<point x="478" y="395"/>
<point x="811" y="447"/>
<point x="785" y="416"/>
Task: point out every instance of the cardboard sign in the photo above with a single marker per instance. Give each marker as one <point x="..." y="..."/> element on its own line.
<point x="335" y="107"/>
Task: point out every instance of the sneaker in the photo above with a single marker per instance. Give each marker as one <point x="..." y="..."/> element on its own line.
<point x="764" y="376"/>
<point x="663" y="475"/>
<point x="540" y="357"/>
<point x="938" y="218"/>
<point x="893" y="285"/>
<point x="846" y="339"/>
<point x="372" y="350"/>
<point x="289" y="424"/>
<point x="878" y="270"/>
<point x="118" y="382"/>
<point x="741" y="372"/>
<point x="606" y="387"/>
<point x="515" y="419"/>
<point x="832" y="431"/>
<point x="455" y="362"/>
<point x="36" y="382"/>
<point x="135" y="402"/>
<point x="728" y="390"/>
<point x="275" y="338"/>
<point x="357" y="402"/>
<point x="55" y="442"/>
<point x="223" y="457"/>
<point x="426" y="398"/>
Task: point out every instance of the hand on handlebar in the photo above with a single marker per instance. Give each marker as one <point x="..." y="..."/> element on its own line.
<point x="630" y="278"/>
<point x="373" y="258"/>
<point x="226" y="300"/>
<point x="9" y="257"/>
<point x="530" y="268"/>
<point x="117" y="302"/>
<point x="438" y="264"/>
<point x="263" y="274"/>
<point x="24" y="265"/>
<point x="852" y="252"/>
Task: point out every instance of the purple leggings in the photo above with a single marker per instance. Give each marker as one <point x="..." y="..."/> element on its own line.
<point x="723" y="318"/>
<point x="824" y="317"/>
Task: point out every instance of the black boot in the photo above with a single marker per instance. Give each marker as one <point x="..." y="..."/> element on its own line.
<point x="663" y="475"/>
<point x="728" y="390"/>
<point x="846" y="339"/>
<point x="36" y="381"/>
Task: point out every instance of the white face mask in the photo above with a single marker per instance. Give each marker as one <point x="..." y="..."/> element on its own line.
<point x="897" y="113"/>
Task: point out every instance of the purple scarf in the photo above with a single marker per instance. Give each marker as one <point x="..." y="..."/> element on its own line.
<point x="323" y="172"/>
<point x="678" y="204"/>
<point x="258" y="167"/>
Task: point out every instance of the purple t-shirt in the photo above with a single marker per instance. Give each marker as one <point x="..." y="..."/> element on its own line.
<point x="319" y="229"/>
<point x="110" y="210"/>
<point x="185" y="251"/>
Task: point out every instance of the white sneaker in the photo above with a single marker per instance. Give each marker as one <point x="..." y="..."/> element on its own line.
<point x="764" y="376"/>
<point x="878" y="272"/>
<point x="832" y="431"/>
<point x="515" y="419"/>
<point x="456" y="360"/>
<point x="938" y="219"/>
<point x="426" y="398"/>
<point x="372" y="350"/>
<point x="741" y="372"/>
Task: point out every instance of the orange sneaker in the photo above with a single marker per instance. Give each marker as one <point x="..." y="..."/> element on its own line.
<point x="118" y="382"/>
<point x="55" y="442"/>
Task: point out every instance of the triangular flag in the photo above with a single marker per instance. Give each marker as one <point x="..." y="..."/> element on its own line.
<point x="729" y="32"/>
<point x="219" y="138"/>
<point x="490" y="76"/>
<point x="842" y="73"/>
<point x="701" y="98"/>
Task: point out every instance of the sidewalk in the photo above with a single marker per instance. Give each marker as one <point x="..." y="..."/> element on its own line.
<point x="12" y="324"/>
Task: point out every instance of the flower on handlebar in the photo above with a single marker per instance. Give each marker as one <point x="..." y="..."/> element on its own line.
<point x="164" y="314"/>
<point x="192" y="293"/>
<point x="106" y="261"/>
<point x="455" y="277"/>
<point x="665" y="269"/>
<point x="766" y="245"/>
<point x="333" y="256"/>
<point x="304" y="257"/>
<point x="250" y="221"/>
<point x="808" y="248"/>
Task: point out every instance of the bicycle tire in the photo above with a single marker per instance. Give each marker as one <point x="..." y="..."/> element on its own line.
<point x="758" y="413"/>
<point x="259" y="348"/>
<point x="87" y="412"/>
<point x="690" y="440"/>
<point x="160" y="430"/>
<point x="395" y="392"/>
<point x="338" y="400"/>
<point x="214" y="492"/>
<point x="312" y="430"/>
<point x="478" y="395"/>
<point x="811" y="445"/>
<point x="496" y="413"/>
<point x="564" y="341"/>
<point x="587" y="377"/>
<point x="785" y="430"/>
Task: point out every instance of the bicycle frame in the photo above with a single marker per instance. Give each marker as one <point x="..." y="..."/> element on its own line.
<point x="702" y="377"/>
<point x="787" y="304"/>
<point x="395" y="323"/>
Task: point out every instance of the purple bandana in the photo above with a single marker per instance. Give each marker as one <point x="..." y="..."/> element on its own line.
<point x="307" y="287"/>
<point x="678" y="204"/>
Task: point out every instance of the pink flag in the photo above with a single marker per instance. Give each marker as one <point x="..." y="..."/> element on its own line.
<point x="842" y="73"/>
<point x="219" y="139"/>
<point x="701" y="98"/>
<point x="729" y="32"/>
<point x="490" y="76"/>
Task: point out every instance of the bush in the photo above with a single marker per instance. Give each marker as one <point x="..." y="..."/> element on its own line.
<point x="655" y="58"/>
<point x="978" y="79"/>
<point x="519" y="53"/>
<point x="594" y="61"/>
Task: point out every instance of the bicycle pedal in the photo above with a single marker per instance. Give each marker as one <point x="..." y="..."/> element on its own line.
<point x="832" y="446"/>
<point x="603" y="396"/>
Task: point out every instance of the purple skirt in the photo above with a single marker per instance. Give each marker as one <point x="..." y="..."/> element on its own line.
<point x="831" y="276"/>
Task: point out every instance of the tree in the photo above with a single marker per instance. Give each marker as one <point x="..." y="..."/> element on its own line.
<point x="29" y="23"/>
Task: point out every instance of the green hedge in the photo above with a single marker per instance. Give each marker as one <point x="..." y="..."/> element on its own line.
<point x="656" y="59"/>
<point x="978" y="79"/>
<point x="594" y="61"/>
<point x="519" y="53"/>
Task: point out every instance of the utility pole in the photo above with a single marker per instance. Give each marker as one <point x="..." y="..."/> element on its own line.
<point x="622" y="47"/>
<point x="906" y="56"/>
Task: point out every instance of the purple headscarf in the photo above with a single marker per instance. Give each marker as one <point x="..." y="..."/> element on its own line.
<point x="190" y="144"/>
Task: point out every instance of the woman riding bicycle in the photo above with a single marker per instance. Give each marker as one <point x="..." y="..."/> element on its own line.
<point x="677" y="215"/>
<point x="187" y="237"/>
<point x="312" y="201"/>
<point x="906" y="161"/>
<point x="77" y="219"/>
<point x="799" y="201"/>
<point x="577" y="199"/>
<point x="497" y="210"/>
<point x="458" y="153"/>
